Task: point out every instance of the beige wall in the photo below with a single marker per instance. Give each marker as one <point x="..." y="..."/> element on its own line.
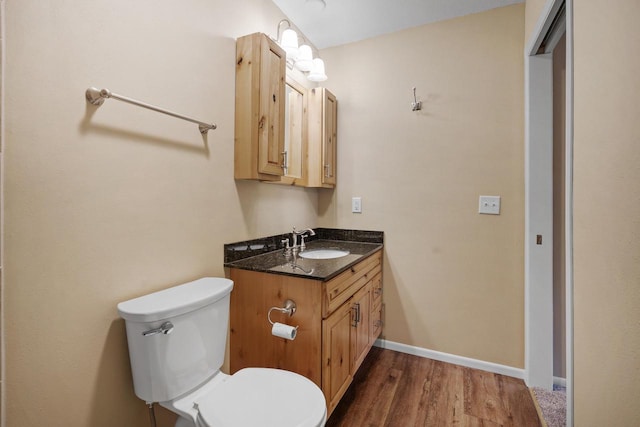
<point x="453" y="278"/>
<point x="534" y="9"/>
<point x="106" y="204"/>
<point x="607" y="213"/>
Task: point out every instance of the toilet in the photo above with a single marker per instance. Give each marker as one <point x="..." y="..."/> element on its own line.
<point x="177" y="340"/>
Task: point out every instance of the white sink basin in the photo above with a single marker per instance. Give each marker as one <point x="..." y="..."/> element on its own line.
<point x="323" y="254"/>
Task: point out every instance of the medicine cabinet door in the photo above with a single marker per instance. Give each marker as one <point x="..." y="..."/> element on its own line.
<point x="295" y="133"/>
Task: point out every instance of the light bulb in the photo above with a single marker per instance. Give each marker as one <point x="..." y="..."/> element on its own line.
<point x="317" y="73"/>
<point x="289" y="43"/>
<point x="304" y="62"/>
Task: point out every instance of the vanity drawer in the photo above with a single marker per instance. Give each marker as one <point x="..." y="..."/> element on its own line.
<point x="342" y="287"/>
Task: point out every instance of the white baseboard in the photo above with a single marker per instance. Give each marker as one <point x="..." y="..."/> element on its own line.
<point x="460" y="360"/>
<point x="452" y="358"/>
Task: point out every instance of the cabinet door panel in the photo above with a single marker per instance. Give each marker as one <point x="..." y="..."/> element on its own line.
<point x="376" y="323"/>
<point x="271" y="130"/>
<point x="329" y="140"/>
<point x="323" y="122"/>
<point x="361" y="341"/>
<point x="259" y="108"/>
<point x="336" y="372"/>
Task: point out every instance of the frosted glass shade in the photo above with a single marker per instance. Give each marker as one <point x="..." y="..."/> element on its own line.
<point x="289" y="43"/>
<point x="317" y="73"/>
<point x="304" y="62"/>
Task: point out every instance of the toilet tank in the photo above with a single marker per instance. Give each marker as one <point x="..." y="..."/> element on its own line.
<point x="168" y="364"/>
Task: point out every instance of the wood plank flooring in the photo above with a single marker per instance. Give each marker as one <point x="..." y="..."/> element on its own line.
<point x="395" y="389"/>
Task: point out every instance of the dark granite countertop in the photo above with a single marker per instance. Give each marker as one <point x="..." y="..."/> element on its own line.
<point x="271" y="257"/>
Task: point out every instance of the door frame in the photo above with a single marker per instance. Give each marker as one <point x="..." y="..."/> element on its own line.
<point x="539" y="205"/>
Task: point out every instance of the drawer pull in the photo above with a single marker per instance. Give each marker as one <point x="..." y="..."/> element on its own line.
<point x="353" y="270"/>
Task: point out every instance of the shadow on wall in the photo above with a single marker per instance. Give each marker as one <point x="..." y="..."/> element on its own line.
<point x="267" y="205"/>
<point x="327" y="206"/>
<point x="87" y="125"/>
<point x="114" y="388"/>
<point x="392" y="293"/>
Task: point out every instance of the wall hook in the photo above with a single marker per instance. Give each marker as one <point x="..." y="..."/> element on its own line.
<point x="415" y="105"/>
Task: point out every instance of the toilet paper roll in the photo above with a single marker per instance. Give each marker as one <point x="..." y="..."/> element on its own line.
<point x="284" y="331"/>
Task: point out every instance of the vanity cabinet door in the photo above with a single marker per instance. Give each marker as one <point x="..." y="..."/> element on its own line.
<point x="360" y="339"/>
<point x="259" y="113"/>
<point x="336" y="352"/>
<point x="375" y="321"/>
<point x="323" y="134"/>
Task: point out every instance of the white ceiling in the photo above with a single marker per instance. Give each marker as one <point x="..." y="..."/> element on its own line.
<point x="346" y="21"/>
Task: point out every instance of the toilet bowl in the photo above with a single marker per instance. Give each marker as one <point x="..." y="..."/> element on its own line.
<point x="177" y="341"/>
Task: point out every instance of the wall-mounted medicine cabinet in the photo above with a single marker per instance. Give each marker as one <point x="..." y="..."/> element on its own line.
<point x="285" y="132"/>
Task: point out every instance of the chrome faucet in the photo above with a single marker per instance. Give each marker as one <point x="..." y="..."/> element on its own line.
<point x="302" y="234"/>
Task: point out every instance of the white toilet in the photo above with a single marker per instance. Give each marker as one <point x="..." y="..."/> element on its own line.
<point x="177" y="341"/>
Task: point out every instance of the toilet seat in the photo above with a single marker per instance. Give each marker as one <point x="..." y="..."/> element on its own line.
<point x="263" y="397"/>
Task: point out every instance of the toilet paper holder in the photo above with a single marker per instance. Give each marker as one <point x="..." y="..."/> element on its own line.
<point x="289" y="309"/>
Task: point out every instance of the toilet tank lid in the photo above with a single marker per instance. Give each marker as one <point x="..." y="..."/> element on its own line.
<point x="176" y="300"/>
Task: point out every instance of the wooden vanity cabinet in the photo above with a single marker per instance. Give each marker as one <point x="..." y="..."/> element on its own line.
<point x="323" y="135"/>
<point x="259" y="108"/>
<point x="336" y="323"/>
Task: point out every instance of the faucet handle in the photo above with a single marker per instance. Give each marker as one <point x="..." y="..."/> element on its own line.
<point x="302" y="245"/>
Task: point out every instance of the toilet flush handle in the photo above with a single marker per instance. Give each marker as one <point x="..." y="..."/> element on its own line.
<point x="165" y="328"/>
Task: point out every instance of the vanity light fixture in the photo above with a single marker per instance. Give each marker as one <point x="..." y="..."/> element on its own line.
<point x="289" y="43"/>
<point x="304" y="61"/>
<point x="300" y="56"/>
<point x="317" y="73"/>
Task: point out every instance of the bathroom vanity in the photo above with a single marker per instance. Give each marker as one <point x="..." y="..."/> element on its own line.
<point x="338" y="313"/>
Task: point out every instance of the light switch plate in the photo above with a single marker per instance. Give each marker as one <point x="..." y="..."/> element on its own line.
<point x="356" y="204"/>
<point x="489" y="205"/>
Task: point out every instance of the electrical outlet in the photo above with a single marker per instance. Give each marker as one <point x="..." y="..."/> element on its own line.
<point x="356" y="204"/>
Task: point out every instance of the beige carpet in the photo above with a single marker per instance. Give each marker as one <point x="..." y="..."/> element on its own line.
<point x="552" y="406"/>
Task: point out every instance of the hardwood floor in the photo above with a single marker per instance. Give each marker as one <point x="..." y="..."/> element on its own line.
<point x="400" y="390"/>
